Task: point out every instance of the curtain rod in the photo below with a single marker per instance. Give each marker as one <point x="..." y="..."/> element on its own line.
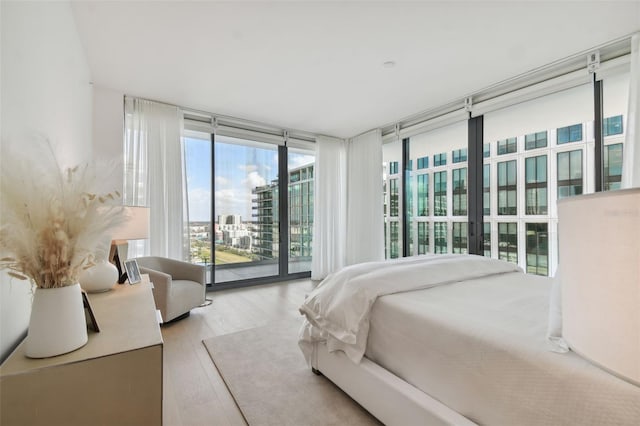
<point x="612" y="50"/>
<point x="295" y="133"/>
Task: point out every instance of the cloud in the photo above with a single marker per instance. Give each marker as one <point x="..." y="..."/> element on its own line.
<point x="248" y="167"/>
<point x="199" y="205"/>
<point x="296" y="161"/>
<point x="228" y="201"/>
<point x="229" y="196"/>
<point x="254" y="180"/>
<point x="234" y="201"/>
<point x="222" y="181"/>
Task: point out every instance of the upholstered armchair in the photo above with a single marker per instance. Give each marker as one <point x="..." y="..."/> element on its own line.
<point x="178" y="286"/>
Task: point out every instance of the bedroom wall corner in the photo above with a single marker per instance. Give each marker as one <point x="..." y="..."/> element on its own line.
<point x="108" y="130"/>
<point x="46" y="91"/>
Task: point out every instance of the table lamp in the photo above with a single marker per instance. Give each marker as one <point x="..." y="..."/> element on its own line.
<point x="599" y="241"/>
<point x="136" y="227"/>
<point x="107" y="270"/>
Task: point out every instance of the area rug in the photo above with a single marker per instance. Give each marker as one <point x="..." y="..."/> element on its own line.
<point x="271" y="383"/>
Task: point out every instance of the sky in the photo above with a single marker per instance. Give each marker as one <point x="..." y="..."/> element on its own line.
<point x="239" y="168"/>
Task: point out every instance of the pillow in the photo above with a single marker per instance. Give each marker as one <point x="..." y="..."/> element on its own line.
<point x="554" y="330"/>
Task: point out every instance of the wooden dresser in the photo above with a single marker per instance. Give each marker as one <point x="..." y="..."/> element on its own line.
<point x="115" y="379"/>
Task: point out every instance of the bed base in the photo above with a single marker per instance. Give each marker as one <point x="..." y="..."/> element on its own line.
<point x="389" y="398"/>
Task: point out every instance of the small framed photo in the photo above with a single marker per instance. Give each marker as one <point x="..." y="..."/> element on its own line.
<point x="89" y="315"/>
<point x="131" y="266"/>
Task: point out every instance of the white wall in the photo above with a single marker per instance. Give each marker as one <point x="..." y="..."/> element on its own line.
<point x="108" y="130"/>
<point x="45" y="90"/>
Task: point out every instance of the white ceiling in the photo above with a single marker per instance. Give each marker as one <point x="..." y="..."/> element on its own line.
<point x="317" y="66"/>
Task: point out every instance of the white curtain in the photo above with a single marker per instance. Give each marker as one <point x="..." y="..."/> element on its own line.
<point x="155" y="175"/>
<point x="631" y="157"/>
<point x="365" y="221"/>
<point x="330" y="207"/>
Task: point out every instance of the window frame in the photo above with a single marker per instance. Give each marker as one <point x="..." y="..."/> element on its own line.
<point x="571" y="132"/>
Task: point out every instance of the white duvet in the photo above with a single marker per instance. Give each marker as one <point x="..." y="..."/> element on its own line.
<point x="337" y="311"/>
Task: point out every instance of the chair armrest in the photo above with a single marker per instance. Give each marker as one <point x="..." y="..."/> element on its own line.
<point x="180" y="270"/>
<point x="159" y="279"/>
<point x="161" y="286"/>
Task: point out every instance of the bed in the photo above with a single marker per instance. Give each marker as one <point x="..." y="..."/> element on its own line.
<point x="454" y="339"/>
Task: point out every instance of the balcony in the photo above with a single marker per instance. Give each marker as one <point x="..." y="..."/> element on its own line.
<point x="260" y="269"/>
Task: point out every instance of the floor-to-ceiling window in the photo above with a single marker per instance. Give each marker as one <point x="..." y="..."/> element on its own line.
<point x="234" y="197"/>
<point x="615" y="100"/>
<point x="246" y="216"/>
<point x="535" y="152"/>
<point x="437" y="190"/>
<point x="197" y="147"/>
<point x="393" y="187"/>
<point x="300" y="186"/>
<point x="542" y="149"/>
<point x="408" y="206"/>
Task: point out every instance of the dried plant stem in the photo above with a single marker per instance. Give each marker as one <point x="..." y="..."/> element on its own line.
<point x="52" y="219"/>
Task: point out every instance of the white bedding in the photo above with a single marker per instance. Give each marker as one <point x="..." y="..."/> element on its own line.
<point x="477" y="344"/>
<point x="337" y="311"/>
<point x="480" y="348"/>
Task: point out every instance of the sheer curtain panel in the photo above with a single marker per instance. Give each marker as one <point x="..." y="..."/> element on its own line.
<point x="631" y="157"/>
<point x="154" y="174"/>
<point x="330" y="207"/>
<point x="365" y="221"/>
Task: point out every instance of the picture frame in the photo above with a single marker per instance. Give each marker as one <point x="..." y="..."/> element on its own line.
<point x="133" y="272"/>
<point x="90" y="317"/>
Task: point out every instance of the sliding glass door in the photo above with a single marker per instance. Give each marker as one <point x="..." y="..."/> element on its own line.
<point x="392" y="180"/>
<point x="238" y="226"/>
<point x="300" y="186"/>
<point x="246" y="225"/>
<point x="197" y="148"/>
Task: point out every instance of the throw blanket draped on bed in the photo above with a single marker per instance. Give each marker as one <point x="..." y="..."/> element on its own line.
<point x="338" y="309"/>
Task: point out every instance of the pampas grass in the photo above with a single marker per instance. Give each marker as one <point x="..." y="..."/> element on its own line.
<point x="52" y="220"/>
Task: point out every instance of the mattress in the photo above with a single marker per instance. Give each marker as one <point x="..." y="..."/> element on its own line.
<point x="480" y="348"/>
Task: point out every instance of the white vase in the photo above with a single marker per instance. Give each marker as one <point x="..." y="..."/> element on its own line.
<point x="57" y="323"/>
<point x="100" y="277"/>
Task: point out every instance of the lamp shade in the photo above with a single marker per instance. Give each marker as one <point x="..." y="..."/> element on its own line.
<point x="135" y="227"/>
<point x="599" y="241"/>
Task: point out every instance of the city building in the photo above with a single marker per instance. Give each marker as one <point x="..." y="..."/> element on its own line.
<point x="265" y="221"/>
<point x="265" y="207"/>
<point x="235" y="233"/>
<point x="524" y="175"/>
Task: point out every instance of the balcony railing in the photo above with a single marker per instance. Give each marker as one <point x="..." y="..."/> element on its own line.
<point x="264" y="268"/>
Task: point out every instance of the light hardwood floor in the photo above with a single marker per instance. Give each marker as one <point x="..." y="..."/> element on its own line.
<point x="194" y="392"/>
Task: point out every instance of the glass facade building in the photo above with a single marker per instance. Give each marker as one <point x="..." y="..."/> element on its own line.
<point x="534" y="152"/>
<point x="541" y="161"/>
<point x="265" y="207"/>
